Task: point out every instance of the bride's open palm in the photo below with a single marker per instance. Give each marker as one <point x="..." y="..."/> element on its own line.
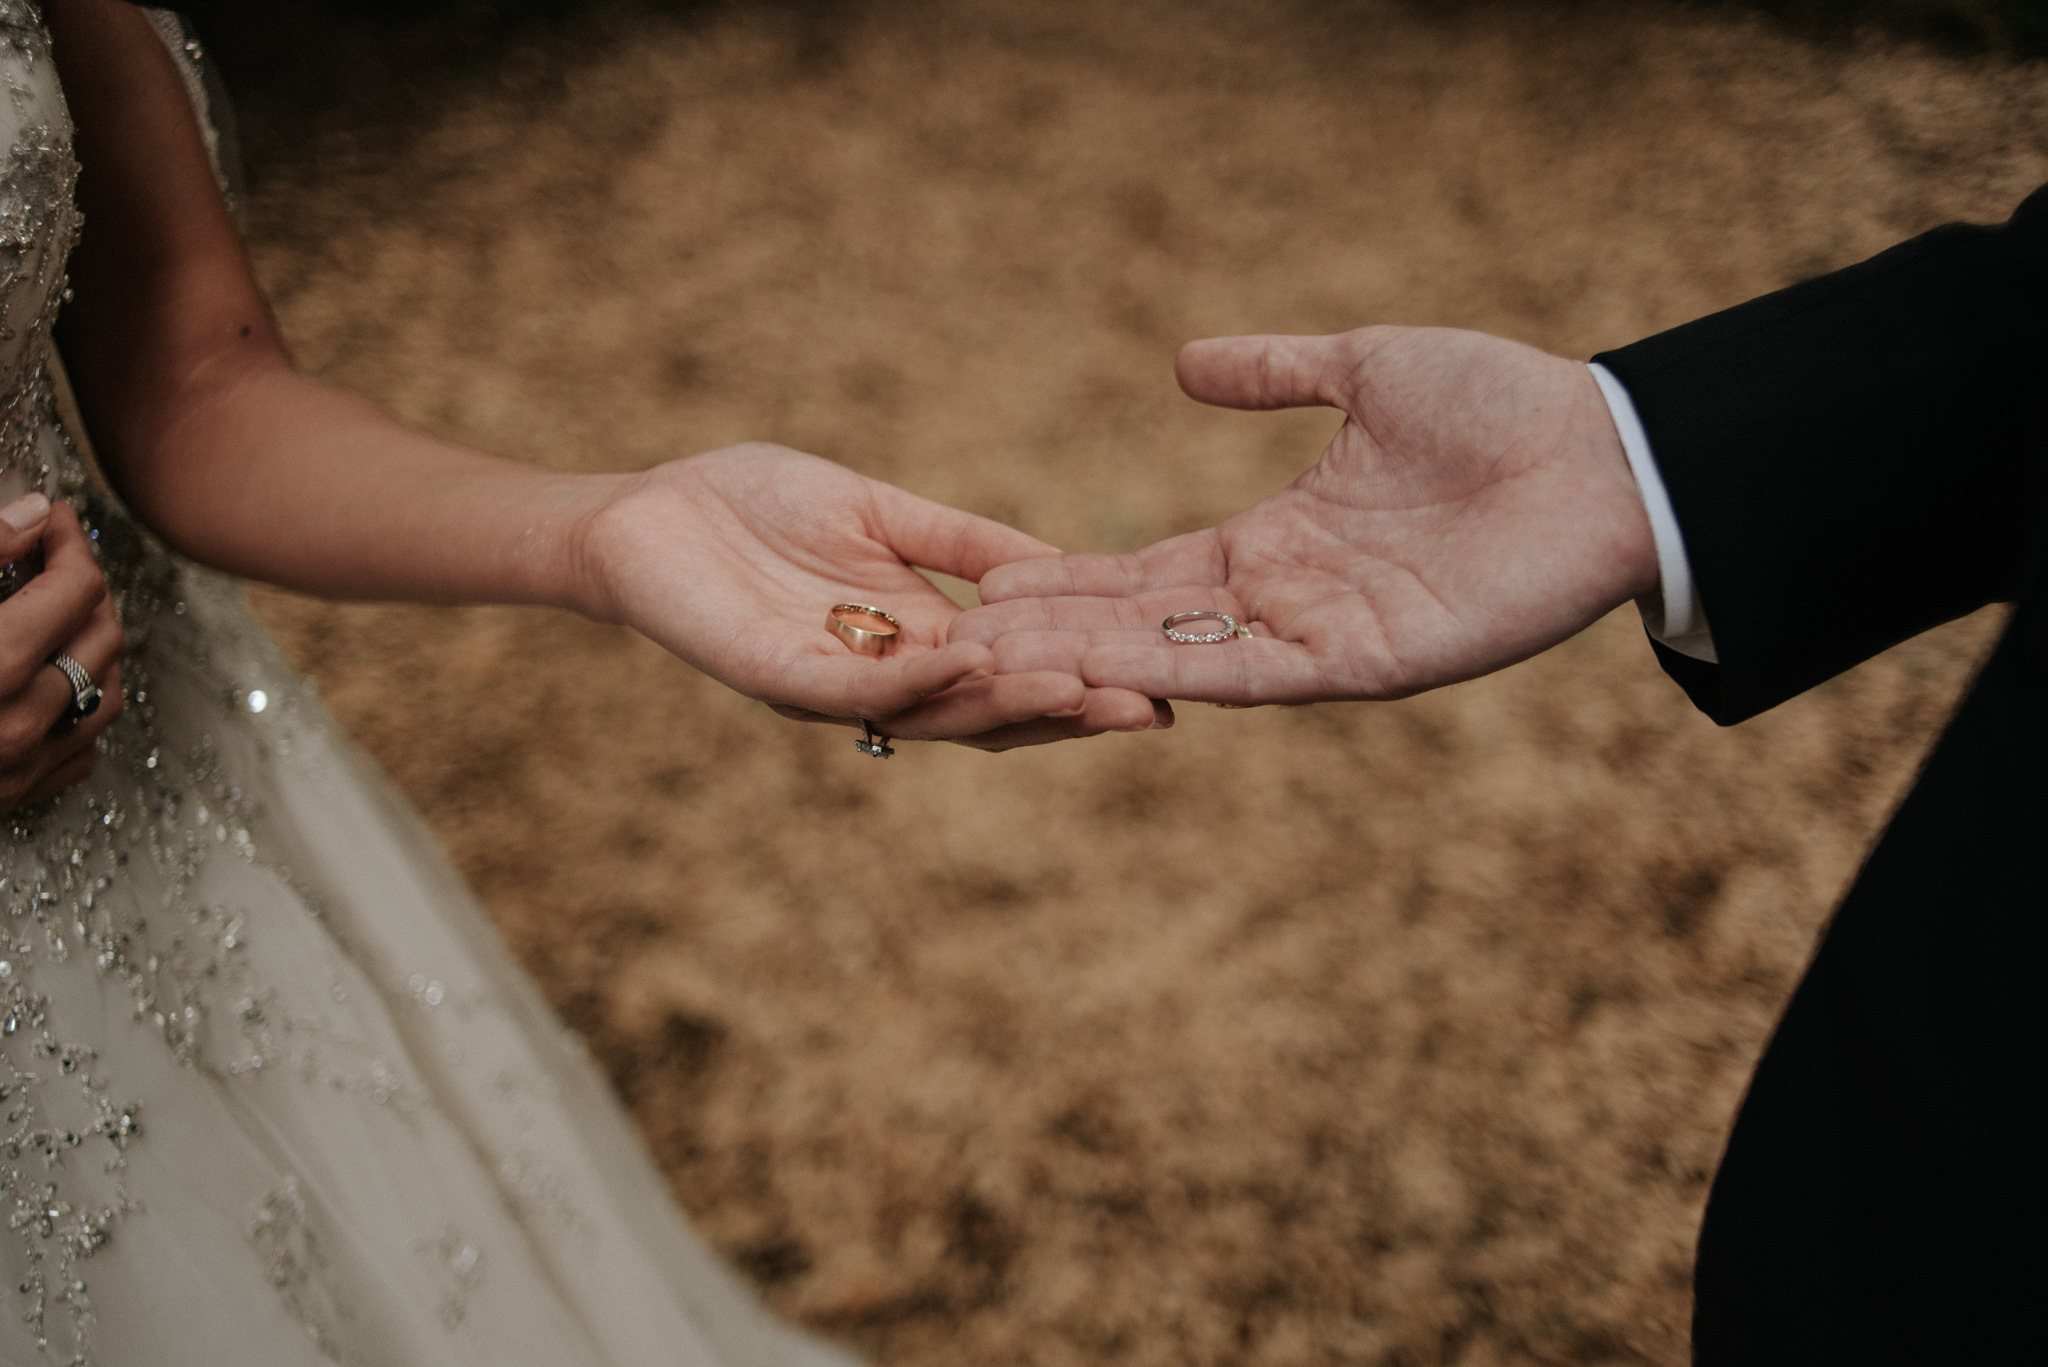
<point x="1444" y="532"/>
<point x="732" y="559"/>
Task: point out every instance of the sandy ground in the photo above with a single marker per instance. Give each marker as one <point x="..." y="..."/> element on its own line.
<point x="1398" y="1034"/>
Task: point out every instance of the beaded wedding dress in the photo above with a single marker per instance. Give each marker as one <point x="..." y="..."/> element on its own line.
<point x="273" y="1092"/>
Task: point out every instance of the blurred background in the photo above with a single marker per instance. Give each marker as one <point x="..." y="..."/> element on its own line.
<point x="1398" y="1034"/>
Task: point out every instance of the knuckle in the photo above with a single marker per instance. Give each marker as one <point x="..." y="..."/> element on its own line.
<point x="20" y="734"/>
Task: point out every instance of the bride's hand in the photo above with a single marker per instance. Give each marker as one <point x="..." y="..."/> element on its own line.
<point x="732" y="559"/>
<point x="65" y="609"/>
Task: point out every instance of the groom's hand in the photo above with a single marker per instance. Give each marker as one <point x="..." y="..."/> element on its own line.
<point x="1475" y="508"/>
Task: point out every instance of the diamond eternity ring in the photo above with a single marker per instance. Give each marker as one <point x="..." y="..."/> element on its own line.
<point x="1226" y="628"/>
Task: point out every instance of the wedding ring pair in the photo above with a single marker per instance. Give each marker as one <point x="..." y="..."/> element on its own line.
<point x="870" y="631"/>
<point x="1226" y="628"/>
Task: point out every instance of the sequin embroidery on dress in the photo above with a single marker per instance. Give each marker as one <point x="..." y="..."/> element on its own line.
<point x="151" y="805"/>
<point x="273" y="1090"/>
<point x="57" y="1228"/>
<point x="38" y="228"/>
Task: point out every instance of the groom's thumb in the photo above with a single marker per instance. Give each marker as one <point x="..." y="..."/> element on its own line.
<point x="1265" y="372"/>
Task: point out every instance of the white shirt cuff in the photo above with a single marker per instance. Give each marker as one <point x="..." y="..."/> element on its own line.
<point x="1674" y="615"/>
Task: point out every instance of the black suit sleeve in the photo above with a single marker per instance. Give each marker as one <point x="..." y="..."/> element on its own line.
<point x="1854" y="459"/>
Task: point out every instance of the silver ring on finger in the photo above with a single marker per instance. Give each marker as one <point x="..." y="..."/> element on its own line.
<point x="873" y="742"/>
<point x="85" y="694"/>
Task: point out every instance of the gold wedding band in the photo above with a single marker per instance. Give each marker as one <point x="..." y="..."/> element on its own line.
<point x="873" y="636"/>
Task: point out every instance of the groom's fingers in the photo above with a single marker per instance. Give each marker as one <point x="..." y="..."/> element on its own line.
<point x="936" y="537"/>
<point x="1144" y="613"/>
<point x="1261" y="670"/>
<point x="1193" y="558"/>
<point x="848" y="685"/>
<point x="979" y="706"/>
<point x="1106" y="576"/>
<point x="1031" y="652"/>
<point x="1269" y="372"/>
<point x="1118" y="714"/>
<point x="1019" y="709"/>
<point x="989" y="625"/>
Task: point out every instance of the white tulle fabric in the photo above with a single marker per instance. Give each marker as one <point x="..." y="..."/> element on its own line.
<point x="273" y="1092"/>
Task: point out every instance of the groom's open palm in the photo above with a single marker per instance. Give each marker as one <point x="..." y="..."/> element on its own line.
<point x="1475" y="508"/>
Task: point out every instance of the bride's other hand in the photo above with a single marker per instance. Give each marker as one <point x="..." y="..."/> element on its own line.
<point x="1474" y="509"/>
<point x="65" y="609"/>
<point x="732" y="559"/>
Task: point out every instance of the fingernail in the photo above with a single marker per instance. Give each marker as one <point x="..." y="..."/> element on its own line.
<point x="26" y="513"/>
<point x="1069" y="711"/>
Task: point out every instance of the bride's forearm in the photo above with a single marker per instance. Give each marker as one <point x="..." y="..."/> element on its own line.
<point x="198" y="415"/>
<point x="279" y="478"/>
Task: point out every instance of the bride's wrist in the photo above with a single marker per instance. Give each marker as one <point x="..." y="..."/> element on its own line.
<point x="594" y="576"/>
